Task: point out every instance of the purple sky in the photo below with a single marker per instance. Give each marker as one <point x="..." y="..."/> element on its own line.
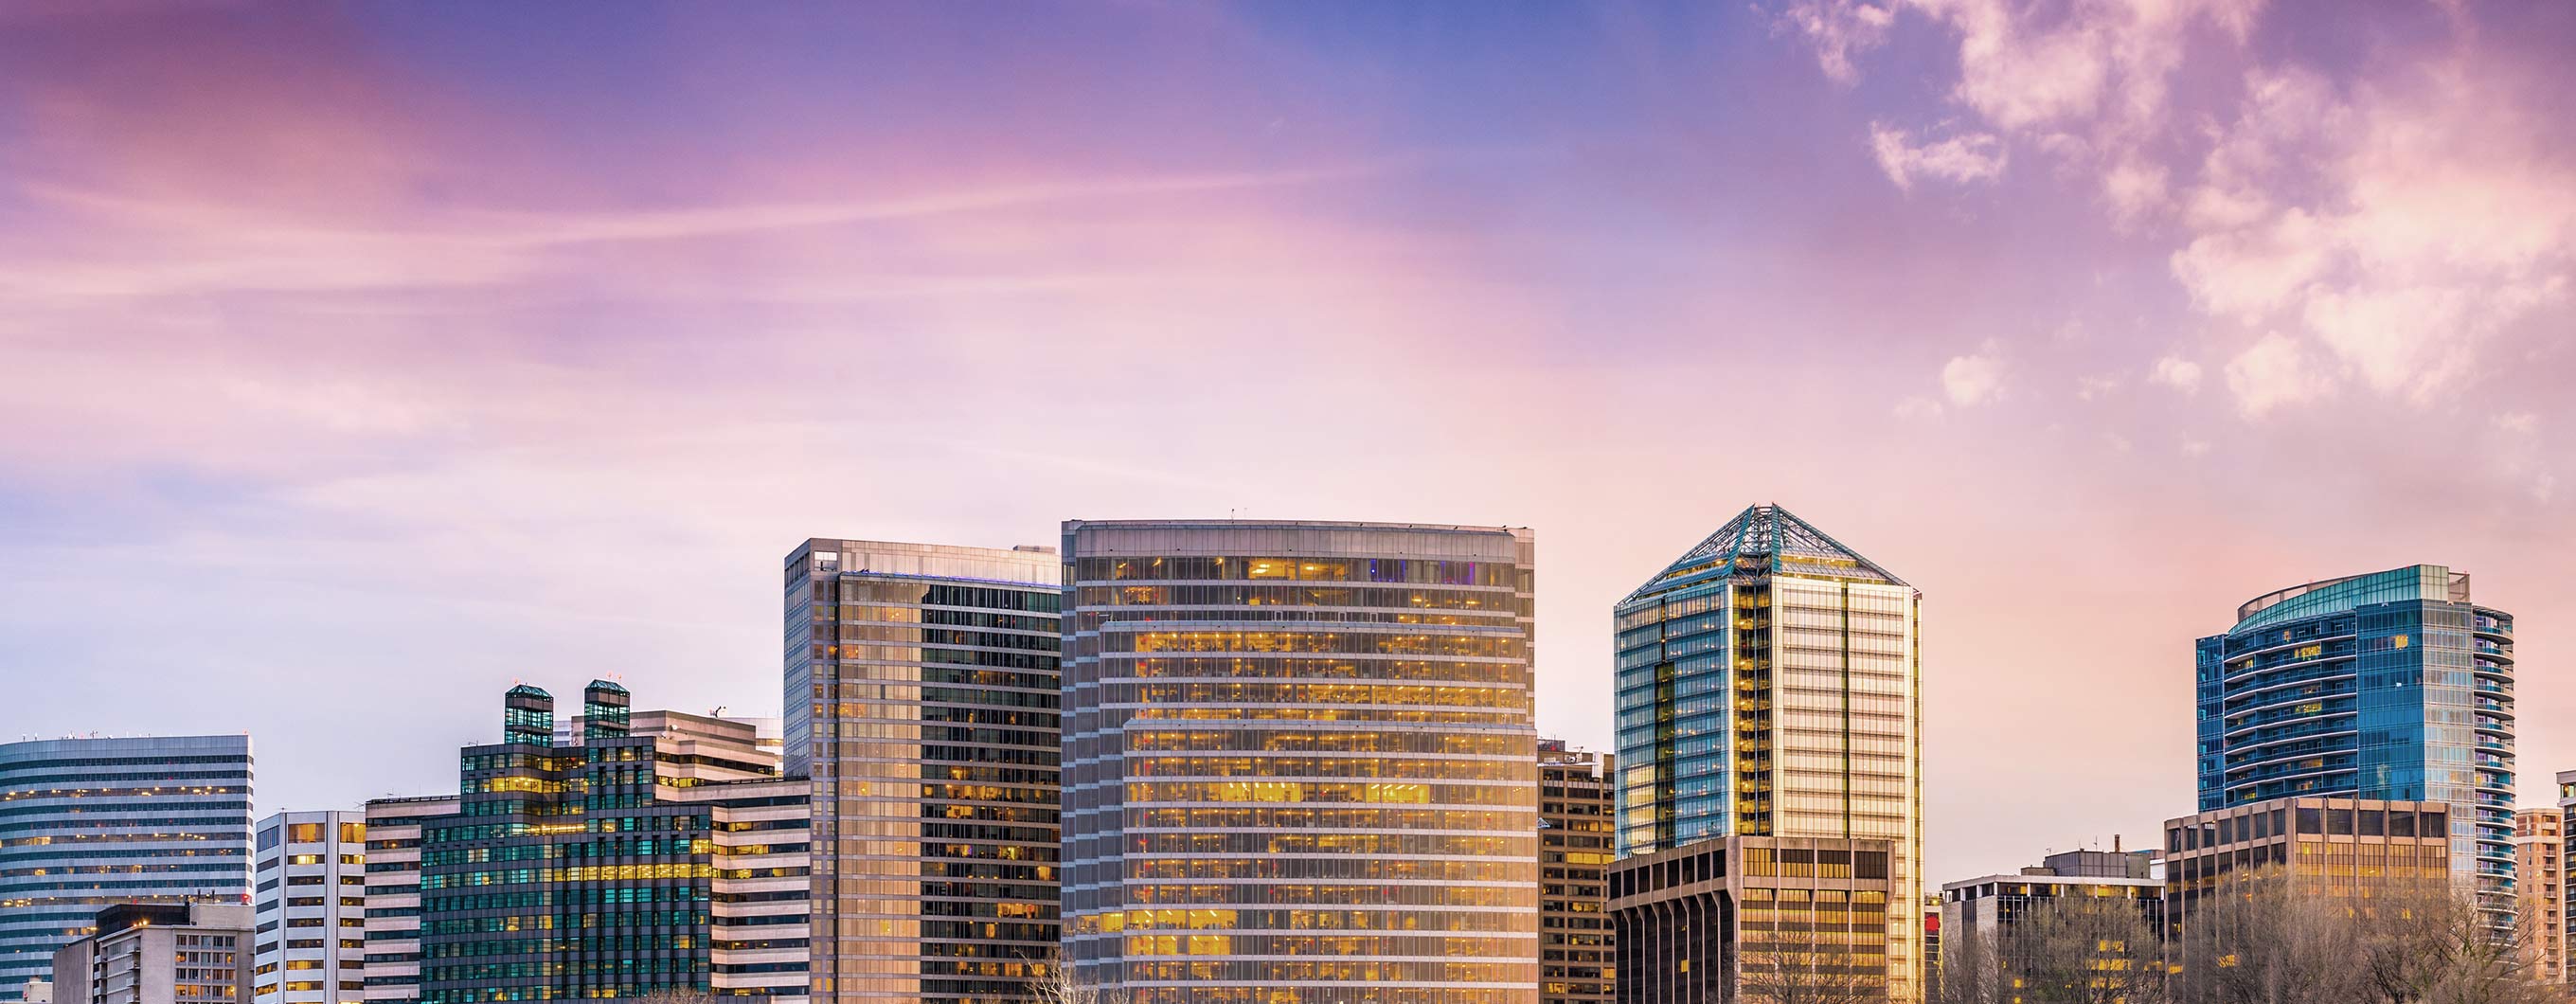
<point x="356" y="361"/>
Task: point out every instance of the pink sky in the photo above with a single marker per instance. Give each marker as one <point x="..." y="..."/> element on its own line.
<point x="355" y="362"/>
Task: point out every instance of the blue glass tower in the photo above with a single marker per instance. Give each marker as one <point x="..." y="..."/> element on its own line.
<point x="2391" y="685"/>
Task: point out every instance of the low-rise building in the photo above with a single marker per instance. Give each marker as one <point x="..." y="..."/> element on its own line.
<point x="1988" y="906"/>
<point x="2329" y="846"/>
<point x="1736" y="917"/>
<point x="159" y="953"/>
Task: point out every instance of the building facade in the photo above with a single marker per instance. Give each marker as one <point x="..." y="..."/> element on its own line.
<point x="2331" y="846"/>
<point x="1577" y="816"/>
<point x="921" y="696"/>
<point x="392" y="963"/>
<point x="1300" y="762"/>
<point x="1987" y="909"/>
<point x="309" y="903"/>
<point x="1757" y="918"/>
<point x="2540" y="888"/>
<point x="2387" y="686"/>
<point x="87" y="823"/>
<point x="664" y="851"/>
<point x="159" y="953"/>
<point x="1769" y="685"/>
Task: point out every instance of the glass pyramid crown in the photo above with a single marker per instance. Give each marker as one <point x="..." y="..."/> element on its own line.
<point x="1766" y="539"/>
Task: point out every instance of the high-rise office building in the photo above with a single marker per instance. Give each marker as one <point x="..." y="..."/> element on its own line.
<point x="662" y="852"/>
<point x="309" y="899"/>
<point x="1768" y="685"/>
<point x="392" y="964"/>
<point x="1300" y="764"/>
<point x="159" y="953"/>
<point x="2540" y="888"/>
<point x="922" y="701"/>
<point x="2387" y="686"/>
<point x="96" y="822"/>
<point x="1576" y="814"/>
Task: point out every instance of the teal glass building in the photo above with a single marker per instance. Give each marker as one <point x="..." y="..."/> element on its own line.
<point x="638" y="853"/>
<point x="2392" y="685"/>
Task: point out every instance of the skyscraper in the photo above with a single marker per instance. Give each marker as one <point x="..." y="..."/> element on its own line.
<point x="94" y="822"/>
<point x="2391" y="686"/>
<point x="921" y="700"/>
<point x="1300" y="764"/>
<point x="392" y="968"/>
<point x="662" y="851"/>
<point x="1577" y="815"/>
<point x="1768" y="686"/>
<point x="309" y="897"/>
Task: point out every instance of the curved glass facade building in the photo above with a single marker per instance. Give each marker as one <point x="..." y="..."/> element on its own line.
<point x="85" y="823"/>
<point x="1769" y="686"/>
<point x="2391" y="686"/>
<point x="1300" y="765"/>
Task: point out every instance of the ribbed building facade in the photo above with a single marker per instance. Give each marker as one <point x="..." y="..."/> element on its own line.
<point x="1300" y="762"/>
<point x="1769" y="686"/>
<point x="2390" y="686"/>
<point x="309" y="897"/>
<point x="85" y="823"/>
<point x="2540" y="878"/>
<point x="392" y="965"/>
<point x="663" y="852"/>
<point x="921" y="697"/>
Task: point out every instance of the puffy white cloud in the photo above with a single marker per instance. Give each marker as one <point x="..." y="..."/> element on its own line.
<point x="2178" y="373"/>
<point x="2276" y="370"/>
<point x="1962" y="158"/>
<point x="1974" y="379"/>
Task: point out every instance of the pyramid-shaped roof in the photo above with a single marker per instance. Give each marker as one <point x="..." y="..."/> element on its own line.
<point x="1770" y="539"/>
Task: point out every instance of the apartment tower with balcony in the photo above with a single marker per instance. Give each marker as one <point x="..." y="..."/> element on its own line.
<point x="2389" y="686"/>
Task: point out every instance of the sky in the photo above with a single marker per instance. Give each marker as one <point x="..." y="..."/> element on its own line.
<point x="357" y="361"/>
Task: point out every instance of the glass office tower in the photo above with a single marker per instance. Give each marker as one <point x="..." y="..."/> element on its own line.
<point x="652" y="852"/>
<point x="1769" y="687"/>
<point x="2390" y="686"/>
<point x="95" y="822"/>
<point x="921" y="701"/>
<point x="1300" y="765"/>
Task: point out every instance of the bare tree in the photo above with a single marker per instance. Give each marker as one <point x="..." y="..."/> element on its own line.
<point x="2084" y="950"/>
<point x="2262" y="940"/>
<point x="678" y="995"/>
<point x="1971" y="971"/>
<point x="1805" y="966"/>
<point x="1058" y="982"/>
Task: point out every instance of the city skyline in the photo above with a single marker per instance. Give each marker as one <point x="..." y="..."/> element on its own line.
<point x="385" y="340"/>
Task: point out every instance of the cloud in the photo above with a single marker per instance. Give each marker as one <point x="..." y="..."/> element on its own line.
<point x="1917" y="407"/>
<point x="1963" y="158"/>
<point x="2090" y="387"/>
<point x="2273" y="372"/>
<point x="1975" y="379"/>
<point x="2400" y="226"/>
<point x="2520" y="423"/>
<point x="2178" y="373"/>
<point x="2391" y="217"/>
<point x="2195" y="448"/>
<point x="1838" y="30"/>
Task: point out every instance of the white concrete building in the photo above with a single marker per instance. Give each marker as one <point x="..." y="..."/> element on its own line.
<point x="309" y="891"/>
<point x="159" y="953"/>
